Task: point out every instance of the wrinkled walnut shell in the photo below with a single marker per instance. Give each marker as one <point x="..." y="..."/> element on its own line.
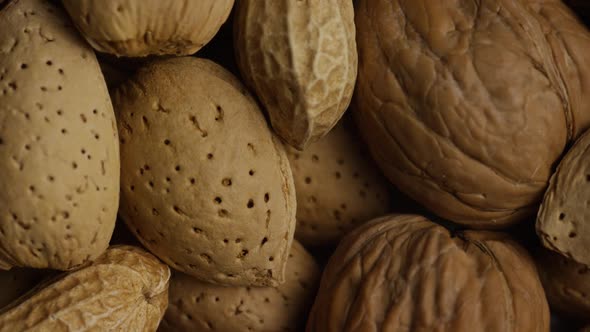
<point x="466" y="105"/>
<point x="403" y="272"/>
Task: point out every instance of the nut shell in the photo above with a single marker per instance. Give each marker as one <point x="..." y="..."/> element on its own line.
<point x="566" y="284"/>
<point x="467" y="105"/>
<point x="142" y="27"/>
<point x="205" y="185"/>
<point x="300" y="58"/>
<point x="338" y="186"/>
<point x="403" y="272"/>
<point x="561" y="222"/>
<point x="59" y="151"/>
<point x="198" y="306"/>
<point x="126" y="289"/>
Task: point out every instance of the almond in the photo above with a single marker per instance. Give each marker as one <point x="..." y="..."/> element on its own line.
<point x="205" y="185"/>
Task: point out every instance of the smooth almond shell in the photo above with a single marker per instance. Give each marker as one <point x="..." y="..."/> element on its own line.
<point x="205" y="185"/>
<point x="566" y="283"/>
<point x="142" y="27"/>
<point x="562" y="219"/>
<point x="198" y="306"/>
<point x="338" y="187"/>
<point x="59" y="151"/>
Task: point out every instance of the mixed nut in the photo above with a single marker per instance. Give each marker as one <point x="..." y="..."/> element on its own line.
<point x="191" y="165"/>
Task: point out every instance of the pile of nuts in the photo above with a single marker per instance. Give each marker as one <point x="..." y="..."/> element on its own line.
<point x="190" y="165"/>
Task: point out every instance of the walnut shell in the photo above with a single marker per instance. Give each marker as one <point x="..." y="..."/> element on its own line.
<point x="300" y="58"/>
<point x="143" y="27"/>
<point x="466" y="105"/>
<point x="562" y="219"/>
<point x="198" y="306"/>
<point x="566" y="283"/>
<point x="125" y="289"/>
<point x="59" y="151"/>
<point x="205" y="185"/>
<point x="406" y="273"/>
<point x="338" y="186"/>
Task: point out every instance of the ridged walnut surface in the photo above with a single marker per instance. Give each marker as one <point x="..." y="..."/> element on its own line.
<point x="205" y="185"/>
<point x="126" y="289"/>
<point x="466" y="105"/>
<point x="562" y="222"/>
<point x="566" y="283"/>
<point x="405" y="273"/>
<point x="300" y="58"/>
<point x="144" y="27"/>
<point x="338" y="187"/>
<point x="198" y="306"/>
<point x="59" y="151"/>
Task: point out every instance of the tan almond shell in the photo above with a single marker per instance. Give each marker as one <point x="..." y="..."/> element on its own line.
<point x="137" y="28"/>
<point x="198" y="306"/>
<point x="562" y="219"/>
<point x="125" y="289"/>
<point x="467" y="105"/>
<point x="338" y="186"/>
<point x="566" y="283"/>
<point x="205" y="185"/>
<point x="59" y="151"/>
<point x="404" y="272"/>
<point x="300" y="58"/>
<point x="18" y="281"/>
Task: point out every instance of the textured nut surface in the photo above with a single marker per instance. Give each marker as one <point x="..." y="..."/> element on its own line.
<point x="59" y="152"/>
<point x="144" y="27"/>
<point x="198" y="306"/>
<point x="125" y="289"/>
<point x="562" y="221"/>
<point x="405" y="273"/>
<point x="566" y="283"/>
<point x="338" y="186"/>
<point x="300" y="58"/>
<point x="205" y="185"/>
<point x="16" y="282"/>
<point x="466" y="105"/>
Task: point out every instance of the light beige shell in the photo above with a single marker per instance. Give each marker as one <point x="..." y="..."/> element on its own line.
<point x="338" y="186"/>
<point x="59" y="152"/>
<point x="198" y="306"/>
<point x="144" y="27"/>
<point x="205" y="185"/>
<point x="562" y="221"/>
<point x="406" y="273"/>
<point x="18" y="281"/>
<point x="566" y="283"/>
<point x="300" y="58"/>
<point x="126" y="289"/>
